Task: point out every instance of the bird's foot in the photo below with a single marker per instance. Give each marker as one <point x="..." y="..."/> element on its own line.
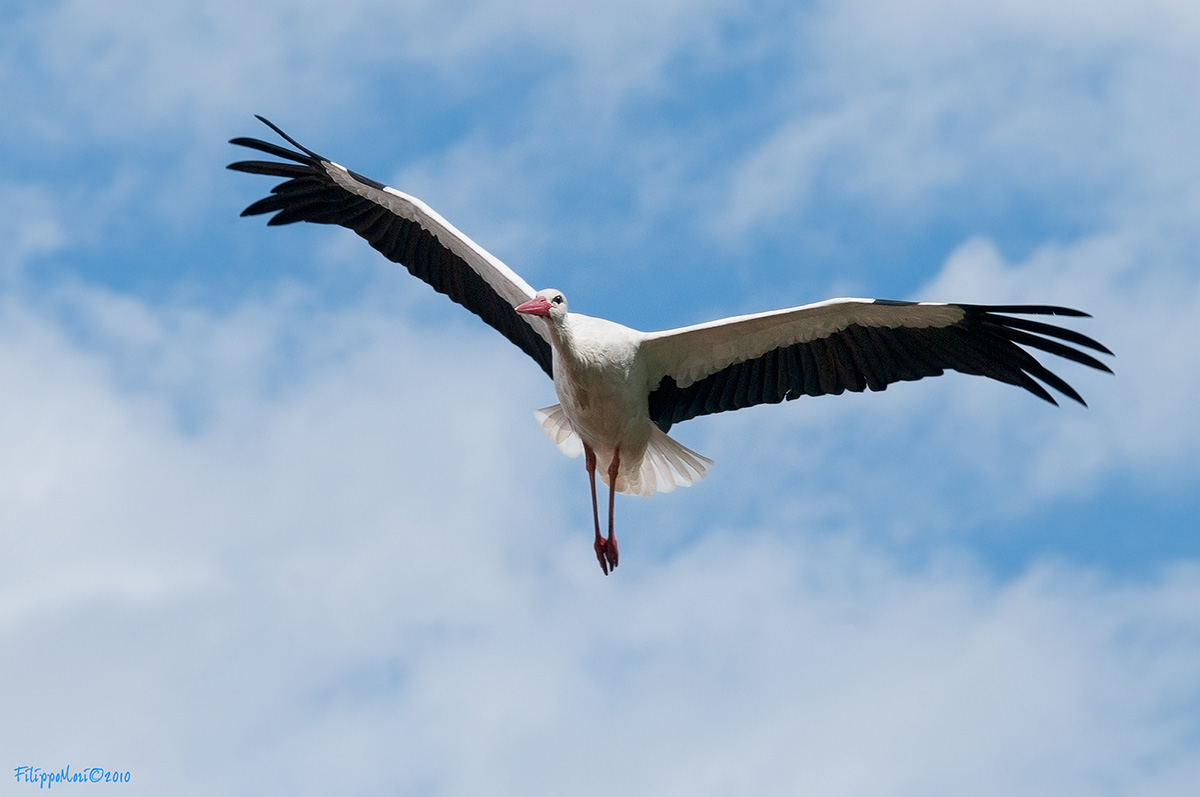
<point x="606" y="553"/>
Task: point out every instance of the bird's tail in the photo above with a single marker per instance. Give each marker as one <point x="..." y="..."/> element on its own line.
<point x="666" y="464"/>
<point x="556" y="426"/>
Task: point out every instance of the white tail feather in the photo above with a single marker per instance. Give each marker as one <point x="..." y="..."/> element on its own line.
<point x="556" y="426"/>
<point x="666" y="464"/>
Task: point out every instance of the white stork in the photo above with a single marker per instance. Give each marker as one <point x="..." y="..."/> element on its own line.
<point x="620" y="390"/>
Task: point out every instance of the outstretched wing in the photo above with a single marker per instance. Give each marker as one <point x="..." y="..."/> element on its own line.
<point x="403" y="228"/>
<point x="852" y="344"/>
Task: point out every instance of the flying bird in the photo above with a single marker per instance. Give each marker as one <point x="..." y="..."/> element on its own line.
<point x="620" y="390"/>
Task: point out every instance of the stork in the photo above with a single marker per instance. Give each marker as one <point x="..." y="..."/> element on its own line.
<point x="620" y="390"/>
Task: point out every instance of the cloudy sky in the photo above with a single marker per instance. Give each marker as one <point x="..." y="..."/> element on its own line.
<point x="275" y="518"/>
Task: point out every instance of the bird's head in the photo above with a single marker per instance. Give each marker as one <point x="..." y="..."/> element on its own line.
<point x="549" y="302"/>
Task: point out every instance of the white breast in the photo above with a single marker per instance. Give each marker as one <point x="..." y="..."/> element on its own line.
<point x="601" y="383"/>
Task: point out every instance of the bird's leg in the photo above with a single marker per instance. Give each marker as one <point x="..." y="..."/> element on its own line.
<point x="589" y="458"/>
<point x="610" y="545"/>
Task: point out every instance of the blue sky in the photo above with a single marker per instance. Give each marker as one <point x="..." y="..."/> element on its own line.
<point x="277" y="519"/>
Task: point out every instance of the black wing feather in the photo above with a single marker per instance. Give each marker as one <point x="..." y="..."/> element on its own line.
<point x="986" y="342"/>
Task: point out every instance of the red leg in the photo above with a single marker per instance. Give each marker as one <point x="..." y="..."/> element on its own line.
<point x="610" y="544"/>
<point x="589" y="458"/>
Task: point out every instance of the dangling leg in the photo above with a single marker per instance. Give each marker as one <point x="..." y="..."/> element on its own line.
<point x="589" y="458"/>
<point x="610" y="544"/>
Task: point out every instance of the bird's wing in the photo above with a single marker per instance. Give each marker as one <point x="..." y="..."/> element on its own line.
<point x="851" y="344"/>
<point x="403" y="228"/>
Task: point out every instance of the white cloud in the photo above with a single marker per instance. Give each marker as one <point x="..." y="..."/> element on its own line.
<point x="122" y="72"/>
<point x="909" y="106"/>
<point x="341" y="569"/>
<point x="29" y="225"/>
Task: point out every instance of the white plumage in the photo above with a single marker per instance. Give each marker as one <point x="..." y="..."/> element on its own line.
<point x="620" y="390"/>
<point x="602" y="379"/>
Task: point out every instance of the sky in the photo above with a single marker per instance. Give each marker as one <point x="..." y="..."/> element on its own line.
<point x="276" y="518"/>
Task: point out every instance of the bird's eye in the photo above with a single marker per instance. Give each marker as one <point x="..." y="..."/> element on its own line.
<point x="557" y="299"/>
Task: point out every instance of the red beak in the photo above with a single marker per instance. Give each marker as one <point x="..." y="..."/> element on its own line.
<point x="538" y="305"/>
